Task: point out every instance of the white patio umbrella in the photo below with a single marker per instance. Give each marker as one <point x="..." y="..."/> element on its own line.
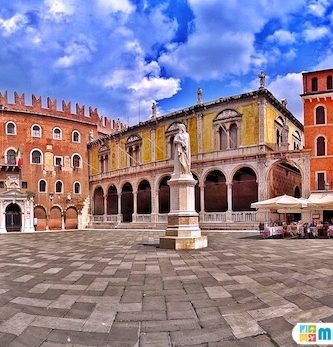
<point x="281" y="202"/>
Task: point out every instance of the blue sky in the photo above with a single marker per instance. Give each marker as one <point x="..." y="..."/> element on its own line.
<point x="122" y="55"/>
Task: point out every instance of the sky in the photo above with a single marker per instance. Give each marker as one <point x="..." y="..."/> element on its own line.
<point x="120" y="56"/>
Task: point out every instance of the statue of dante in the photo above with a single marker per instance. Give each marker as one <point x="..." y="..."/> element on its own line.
<point x="182" y="161"/>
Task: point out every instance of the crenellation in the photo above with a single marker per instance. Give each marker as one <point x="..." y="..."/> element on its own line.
<point x="36" y="102"/>
<point x="66" y="107"/>
<point x="4" y="98"/>
<point x="19" y="99"/>
<point x="93" y="112"/>
<point x="80" y="110"/>
<point x="52" y="104"/>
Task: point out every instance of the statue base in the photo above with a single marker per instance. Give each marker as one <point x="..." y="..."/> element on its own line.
<point x="183" y="231"/>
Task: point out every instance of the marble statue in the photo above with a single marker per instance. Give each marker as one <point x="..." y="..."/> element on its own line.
<point x="182" y="162"/>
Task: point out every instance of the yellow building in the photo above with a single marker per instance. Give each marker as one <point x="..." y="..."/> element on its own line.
<point x="239" y="145"/>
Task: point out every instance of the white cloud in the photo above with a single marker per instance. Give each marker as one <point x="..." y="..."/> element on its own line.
<point x="282" y="37"/>
<point x="12" y="24"/>
<point x="315" y="33"/>
<point x="75" y="52"/>
<point x="318" y="7"/>
<point x="114" y="6"/>
<point x="289" y="87"/>
<point x="58" y="10"/>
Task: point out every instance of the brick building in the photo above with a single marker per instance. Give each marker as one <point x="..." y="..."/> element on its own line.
<point x="44" y="163"/>
<point x="318" y="132"/>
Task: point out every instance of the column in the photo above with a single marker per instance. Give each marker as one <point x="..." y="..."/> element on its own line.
<point x="228" y="137"/>
<point x="202" y="203"/>
<point x="229" y="197"/>
<point x="154" y="199"/>
<point x="62" y="221"/>
<point x="119" y="215"/>
<point x="105" y="202"/>
<point x="2" y="218"/>
<point x="135" y="205"/>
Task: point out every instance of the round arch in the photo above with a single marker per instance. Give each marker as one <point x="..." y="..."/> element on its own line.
<point x="144" y="197"/>
<point x="71" y="218"/>
<point x="13" y="217"/>
<point x="55" y="219"/>
<point x="98" y="201"/>
<point x="215" y="191"/>
<point x="127" y="202"/>
<point x="112" y="200"/>
<point x="244" y="189"/>
<point x="164" y="195"/>
<point x="40" y="214"/>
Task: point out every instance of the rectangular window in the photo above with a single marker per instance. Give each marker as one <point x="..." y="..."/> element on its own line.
<point x="58" y="161"/>
<point x="320" y="180"/>
<point x="24" y="185"/>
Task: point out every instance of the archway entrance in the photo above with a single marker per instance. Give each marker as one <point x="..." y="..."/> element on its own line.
<point x="71" y="218"/>
<point x="40" y="214"/>
<point x="55" y="218"/>
<point x="13" y="218"/>
<point x="127" y="207"/>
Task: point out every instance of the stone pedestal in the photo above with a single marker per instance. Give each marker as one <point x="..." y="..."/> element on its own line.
<point x="183" y="230"/>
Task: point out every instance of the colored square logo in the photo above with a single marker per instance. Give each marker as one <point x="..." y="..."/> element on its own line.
<point x="303" y="337"/>
<point x="312" y="338"/>
<point x="303" y="329"/>
<point x="312" y="329"/>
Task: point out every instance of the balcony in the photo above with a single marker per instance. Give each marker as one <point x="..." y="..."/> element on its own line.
<point x="9" y="163"/>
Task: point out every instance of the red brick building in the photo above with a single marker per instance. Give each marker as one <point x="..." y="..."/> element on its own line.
<point x="44" y="163"/>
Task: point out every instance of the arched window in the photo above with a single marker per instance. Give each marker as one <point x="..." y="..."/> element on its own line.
<point x="58" y="187"/>
<point x="36" y="157"/>
<point x="76" y="161"/>
<point x="278" y="136"/>
<point x="314" y="84"/>
<point x="77" y="188"/>
<point x="321" y="146"/>
<point x="329" y="82"/>
<point x="36" y="131"/>
<point x="76" y="137"/>
<point x="233" y="136"/>
<point x="223" y="138"/>
<point x="42" y="186"/>
<point x="11" y="157"/>
<point x="11" y="128"/>
<point x="320" y="115"/>
<point x="57" y="135"/>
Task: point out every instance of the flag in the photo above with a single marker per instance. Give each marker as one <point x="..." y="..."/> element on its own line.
<point x="19" y="160"/>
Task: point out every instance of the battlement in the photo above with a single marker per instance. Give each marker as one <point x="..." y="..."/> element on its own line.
<point x="104" y="125"/>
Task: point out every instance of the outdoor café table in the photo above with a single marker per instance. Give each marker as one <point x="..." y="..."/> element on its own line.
<point x="274" y="231"/>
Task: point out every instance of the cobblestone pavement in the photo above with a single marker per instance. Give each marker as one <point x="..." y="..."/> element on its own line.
<point x="117" y="288"/>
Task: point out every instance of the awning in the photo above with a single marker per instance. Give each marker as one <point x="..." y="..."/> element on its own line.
<point x="284" y="201"/>
<point x="321" y="200"/>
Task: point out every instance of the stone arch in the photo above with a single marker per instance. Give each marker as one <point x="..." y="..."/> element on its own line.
<point x="71" y="218"/>
<point x="144" y="197"/>
<point x="244" y="189"/>
<point x="40" y="214"/>
<point x="55" y="219"/>
<point x="127" y="202"/>
<point x="98" y="201"/>
<point x="215" y="190"/>
<point x="282" y="177"/>
<point x="164" y="195"/>
<point x="112" y="200"/>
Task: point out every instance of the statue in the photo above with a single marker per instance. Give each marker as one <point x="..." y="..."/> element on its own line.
<point x="262" y="78"/>
<point x="199" y="96"/>
<point x="182" y="161"/>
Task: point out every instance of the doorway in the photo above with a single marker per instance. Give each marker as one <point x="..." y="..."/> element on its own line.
<point x="13" y="218"/>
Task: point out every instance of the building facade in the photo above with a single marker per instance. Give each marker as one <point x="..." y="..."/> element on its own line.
<point x="44" y="163"/>
<point x="244" y="148"/>
<point x="318" y="130"/>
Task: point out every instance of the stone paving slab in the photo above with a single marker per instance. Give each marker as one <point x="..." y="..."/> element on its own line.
<point x="117" y="288"/>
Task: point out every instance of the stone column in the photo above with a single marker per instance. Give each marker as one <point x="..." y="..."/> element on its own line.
<point x="154" y="201"/>
<point x="2" y="218"/>
<point x="135" y="205"/>
<point x="229" y="197"/>
<point x="228" y="137"/>
<point x="119" y="215"/>
<point x="105" y="204"/>
<point x="202" y="202"/>
<point x="63" y="220"/>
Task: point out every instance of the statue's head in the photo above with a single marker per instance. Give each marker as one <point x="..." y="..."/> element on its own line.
<point x="182" y="128"/>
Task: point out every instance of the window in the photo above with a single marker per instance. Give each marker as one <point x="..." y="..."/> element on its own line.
<point x="314" y="84"/>
<point x="36" y="131"/>
<point x="42" y="186"/>
<point x="321" y="146"/>
<point x="223" y="138"/>
<point x="321" y="180"/>
<point x="11" y="157"/>
<point x="77" y="188"/>
<point x="57" y="161"/>
<point x="320" y="115"/>
<point x="76" y="137"/>
<point x="58" y="187"/>
<point x="329" y="82"/>
<point x="57" y="134"/>
<point x="24" y="185"/>
<point x="76" y="161"/>
<point x="133" y="150"/>
<point x="10" y="128"/>
<point x="233" y="136"/>
<point x="36" y="156"/>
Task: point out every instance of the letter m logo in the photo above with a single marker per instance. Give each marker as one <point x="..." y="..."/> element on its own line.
<point x="324" y="334"/>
